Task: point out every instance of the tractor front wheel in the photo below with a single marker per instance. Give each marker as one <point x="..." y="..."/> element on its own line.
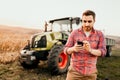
<point x="58" y="61"/>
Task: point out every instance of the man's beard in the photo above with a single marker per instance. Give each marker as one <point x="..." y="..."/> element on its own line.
<point x="88" y="28"/>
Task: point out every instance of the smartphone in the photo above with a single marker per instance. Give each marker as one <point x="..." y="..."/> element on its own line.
<point x="80" y="43"/>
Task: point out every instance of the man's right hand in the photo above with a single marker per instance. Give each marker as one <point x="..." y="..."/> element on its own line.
<point x="75" y="48"/>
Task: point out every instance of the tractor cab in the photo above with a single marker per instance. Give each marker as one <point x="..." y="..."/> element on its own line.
<point x="63" y="24"/>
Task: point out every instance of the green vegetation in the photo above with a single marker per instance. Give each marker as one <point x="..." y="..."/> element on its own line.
<point x="109" y="68"/>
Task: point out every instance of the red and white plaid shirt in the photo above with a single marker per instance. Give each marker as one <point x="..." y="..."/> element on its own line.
<point x="83" y="61"/>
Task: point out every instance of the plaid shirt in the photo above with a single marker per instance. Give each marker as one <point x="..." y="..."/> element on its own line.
<point x="83" y="61"/>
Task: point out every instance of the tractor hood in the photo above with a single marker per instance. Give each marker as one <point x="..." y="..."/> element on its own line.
<point x="45" y="40"/>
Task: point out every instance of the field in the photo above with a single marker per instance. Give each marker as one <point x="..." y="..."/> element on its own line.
<point x="13" y="39"/>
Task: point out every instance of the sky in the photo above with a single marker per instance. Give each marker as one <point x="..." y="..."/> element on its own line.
<point x="33" y="13"/>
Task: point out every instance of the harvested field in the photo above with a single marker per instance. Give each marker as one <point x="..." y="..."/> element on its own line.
<point x="14" y="39"/>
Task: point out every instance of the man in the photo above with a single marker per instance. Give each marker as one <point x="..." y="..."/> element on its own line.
<point x="84" y="57"/>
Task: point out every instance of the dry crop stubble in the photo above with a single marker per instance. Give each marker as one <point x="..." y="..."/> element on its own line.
<point x="11" y="45"/>
<point x="12" y="40"/>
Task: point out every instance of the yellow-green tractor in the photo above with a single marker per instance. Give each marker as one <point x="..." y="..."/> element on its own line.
<point x="49" y="45"/>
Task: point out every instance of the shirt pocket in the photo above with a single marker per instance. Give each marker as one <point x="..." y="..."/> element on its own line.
<point x="94" y="42"/>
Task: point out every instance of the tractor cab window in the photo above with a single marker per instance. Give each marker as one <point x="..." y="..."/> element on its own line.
<point x="60" y="27"/>
<point x="75" y="26"/>
<point x="64" y="24"/>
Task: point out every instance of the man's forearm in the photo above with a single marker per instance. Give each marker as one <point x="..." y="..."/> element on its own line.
<point x="95" y="52"/>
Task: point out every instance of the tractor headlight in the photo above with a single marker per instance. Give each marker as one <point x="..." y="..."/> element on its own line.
<point x="26" y="52"/>
<point x="23" y="52"/>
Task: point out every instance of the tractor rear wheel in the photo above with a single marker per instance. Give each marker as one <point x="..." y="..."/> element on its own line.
<point x="109" y="51"/>
<point x="58" y="61"/>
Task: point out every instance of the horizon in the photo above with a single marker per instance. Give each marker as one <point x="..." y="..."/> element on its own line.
<point x="31" y="28"/>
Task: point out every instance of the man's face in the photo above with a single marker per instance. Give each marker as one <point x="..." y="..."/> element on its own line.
<point x="87" y="22"/>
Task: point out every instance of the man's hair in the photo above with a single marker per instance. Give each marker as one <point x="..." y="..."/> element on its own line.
<point x="89" y="12"/>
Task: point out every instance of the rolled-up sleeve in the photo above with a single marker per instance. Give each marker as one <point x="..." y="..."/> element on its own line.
<point x="102" y="44"/>
<point x="70" y="42"/>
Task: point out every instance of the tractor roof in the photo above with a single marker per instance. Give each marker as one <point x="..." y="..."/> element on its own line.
<point x="65" y="20"/>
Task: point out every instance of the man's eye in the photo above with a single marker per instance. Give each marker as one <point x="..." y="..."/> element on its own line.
<point x="85" y="21"/>
<point x="89" y="21"/>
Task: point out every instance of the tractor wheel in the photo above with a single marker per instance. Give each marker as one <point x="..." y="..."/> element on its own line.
<point x="58" y="61"/>
<point x="109" y="51"/>
<point x="31" y="65"/>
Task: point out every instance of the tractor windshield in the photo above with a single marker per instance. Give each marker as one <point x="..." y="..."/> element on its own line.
<point x="64" y="24"/>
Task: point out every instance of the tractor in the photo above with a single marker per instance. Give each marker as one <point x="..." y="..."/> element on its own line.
<point x="48" y="46"/>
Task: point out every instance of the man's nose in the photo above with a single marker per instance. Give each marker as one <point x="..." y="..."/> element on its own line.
<point x="87" y="24"/>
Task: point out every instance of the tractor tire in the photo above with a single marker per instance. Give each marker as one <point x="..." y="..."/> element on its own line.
<point x="32" y="65"/>
<point x="109" y="51"/>
<point x="58" y="61"/>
